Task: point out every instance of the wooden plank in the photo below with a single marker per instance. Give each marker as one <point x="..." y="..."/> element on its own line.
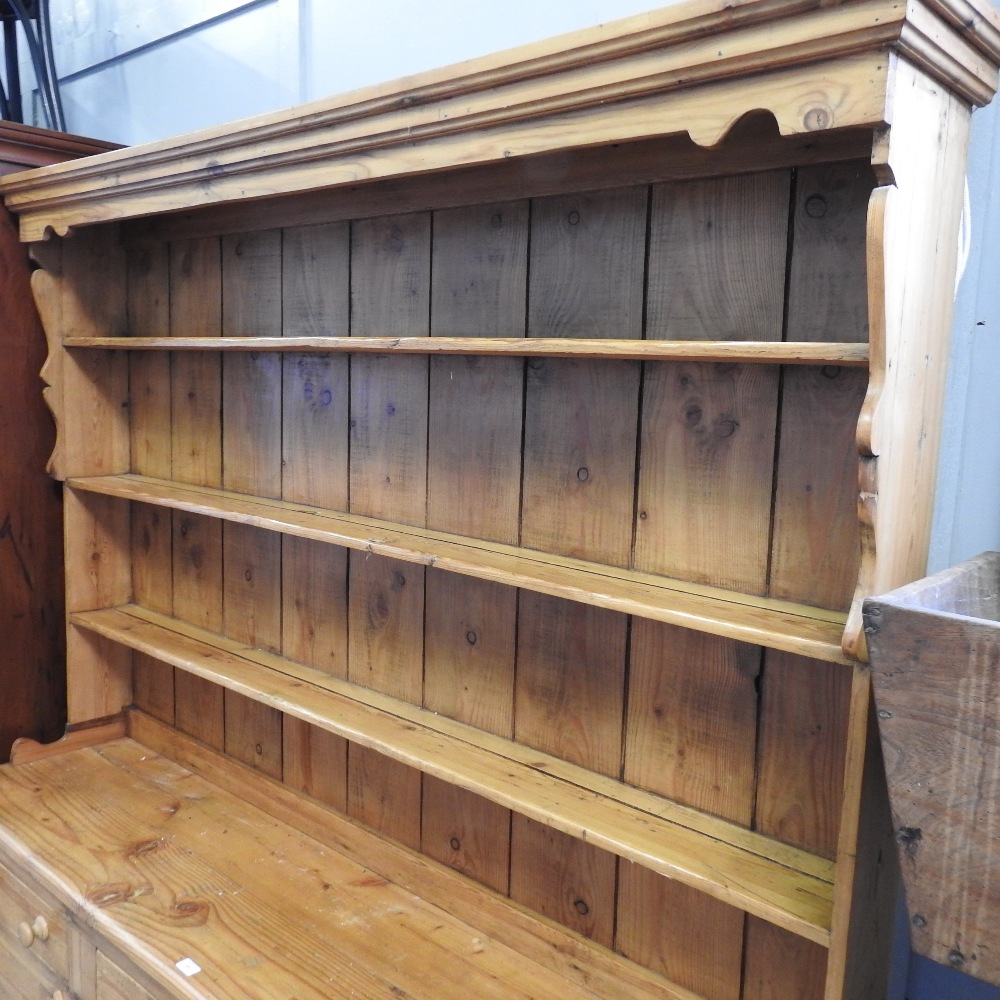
<point x="148" y="305"/>
<point x="763" y="621"/>
<point x="580" y="417"/>
<point x="315" y="300"/>
<point x="113" y="983"/>
<point x="26" y="749"/>
<point x="704" y="514"/>
<point x="783" y="352"/>
<point x="251" y="437"/>
<point x="816" y="550"/>
<point x="868" y="883"/>
<point x="571" y="682"/>
<point x="479" y="283"/>
<point x="758" y="874"/>
<point x="91" y="292"/>
<point x="912" y="242"/>
<point x="412" y="135"/>
<point x="692" y="939"/>
<point x="251" y="460"/>
<point x="390" y="295"/>
<point x="253" y="733"/>
<point x="386" y="635"/>
<point x="390" y="292"/>
<point x="803" y="733"/>
<point x="251" y="396"/>
<point x="466" y="832"/>
<point x="384" y="794"/>
<point x="196" y="457"/>
<point x="314" y="761"/>
<point x="100" y="683"/>
<point x="711" y="522"/>
<point x="781" y="965"/>
<point x="568" y="880"/>
<point x="470" y="641"/>
<point x="691" y="736"/>
<point x="315" y="404"/>
<point x="580" y="420"/>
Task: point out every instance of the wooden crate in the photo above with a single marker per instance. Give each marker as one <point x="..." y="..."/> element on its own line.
<point x="935" y="653"/>
<point x="498" y="459"/>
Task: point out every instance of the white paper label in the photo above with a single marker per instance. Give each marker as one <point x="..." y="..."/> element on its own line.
<point x="189" y="966"/>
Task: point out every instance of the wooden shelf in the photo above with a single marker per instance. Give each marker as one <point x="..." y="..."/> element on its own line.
<point x="760" y="352"/>
<point x="779" y="883"/>
<point x="795" y="628"/>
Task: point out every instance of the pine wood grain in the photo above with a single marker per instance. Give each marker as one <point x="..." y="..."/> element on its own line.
<point x="716" y="265"/>
<point x="580" y="417"/>
<point x="781" y="883"/>
<point x="804" y="715"/>
<point x="466" y="832"/>
<point x="386" y="635"/>
<point x="784" y="352"/>
<point x="692" y="939"/>
<point x="586" y="967"/>
<point x="570" y="681"/>
<point x="479" y="284"/>
<point x="148" y="306"/>
<point x="817" y="549"/>
<point x="389" y="294"/>
<point x="315" y="404"/>
<point x="96" y="536"/>
<point x="779" y="624"/>
<point x="390" y="291"/>
<point x="113" y="983"/>
<point x="314" y="761"/>
<point x="565" y="879"/>
<point x="691" y="734"/>
<point x="253" y="733"/>
<point x="196" y="457"/>
<point x="781" y="965"/>
<point x="470" y="637"/>
<point x="654" y="159"/>
<point x="316" y="922"/>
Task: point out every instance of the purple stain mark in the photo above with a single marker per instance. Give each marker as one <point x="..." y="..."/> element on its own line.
<point x="390" y="409"/>
<point x="326" y="397"/>
<point x="307" y="390"/>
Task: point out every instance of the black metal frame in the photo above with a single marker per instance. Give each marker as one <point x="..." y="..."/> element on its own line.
<point x="33" y="17"/>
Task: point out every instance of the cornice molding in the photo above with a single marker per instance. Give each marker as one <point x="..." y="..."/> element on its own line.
<point x="802" y="60"/>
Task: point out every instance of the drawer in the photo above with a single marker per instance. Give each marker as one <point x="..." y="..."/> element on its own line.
<point x="28" y="924"/>
<point x="25" y="978"/>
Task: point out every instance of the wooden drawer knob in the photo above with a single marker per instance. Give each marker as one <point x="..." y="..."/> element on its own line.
<point x="37" y="930"/>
